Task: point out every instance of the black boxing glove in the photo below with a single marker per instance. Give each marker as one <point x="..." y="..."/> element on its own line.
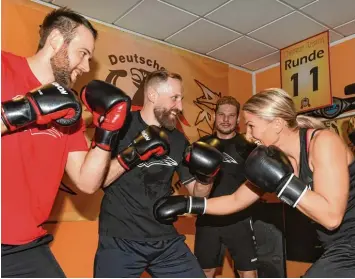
<point x="204" y="160"/>
<point x="109" y="106"/>
<point x="213" y="141"/>
<point x="52" y="102"/>
<point x="243" y="146"/>
<point x="167" y="209"/>
<point x="270" y="169"/>
<point x="152" y="141"/>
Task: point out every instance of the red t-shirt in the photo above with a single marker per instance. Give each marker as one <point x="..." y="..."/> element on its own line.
<point x="33" y="161"/>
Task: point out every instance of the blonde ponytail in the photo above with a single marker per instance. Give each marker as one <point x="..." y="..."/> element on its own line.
<point x="275" y="102"/>
<point x="309" y="122"/>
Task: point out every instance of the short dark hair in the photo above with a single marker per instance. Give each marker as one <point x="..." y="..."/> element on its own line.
<point x="228" y="100"/>
<point x="160" y="76"/>
<point x="66" y="21"/>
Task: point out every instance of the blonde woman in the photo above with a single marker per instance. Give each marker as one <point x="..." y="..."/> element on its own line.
<point x="307" y="166"/>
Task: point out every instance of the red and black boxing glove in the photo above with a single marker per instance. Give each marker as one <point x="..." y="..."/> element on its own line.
<point x="152" y="141"/>
<point x="204" y="159"/>
<point x="109" y="106"/>
<point x="52" y="102"/>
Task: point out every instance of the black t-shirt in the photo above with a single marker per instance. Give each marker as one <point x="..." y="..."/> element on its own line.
<point x="127" y="206"/>
<point x="228" y="180"/>
<point x="346" y="231"/>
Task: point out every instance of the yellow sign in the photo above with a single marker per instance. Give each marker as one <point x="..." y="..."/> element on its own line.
<point x="305" y="72"/>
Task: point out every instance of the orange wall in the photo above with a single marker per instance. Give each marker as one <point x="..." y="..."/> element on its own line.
<point x="74" y="246"/>
<point x="240" y="87"/>
<point x="267" y="79"/>
<point x="16" y="38"/>
<point x="342" y="66"/>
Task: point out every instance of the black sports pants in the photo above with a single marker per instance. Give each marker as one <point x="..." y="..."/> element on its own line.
<point x="117" y="257"/>
<point x="32" y="260"/>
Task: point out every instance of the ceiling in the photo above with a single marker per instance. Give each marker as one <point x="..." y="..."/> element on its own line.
<point x="242" y="33"/>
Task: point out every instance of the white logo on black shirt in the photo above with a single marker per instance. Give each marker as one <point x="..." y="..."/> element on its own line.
<point x="165" y="161"/>
<point x="228" y="159"/>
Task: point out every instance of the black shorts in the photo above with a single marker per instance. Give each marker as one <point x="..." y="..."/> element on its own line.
<point x="238" y="238"/>
<point x="117" y="257"/>
<point x="32" y="260"/>
<point x="338" y="261"/>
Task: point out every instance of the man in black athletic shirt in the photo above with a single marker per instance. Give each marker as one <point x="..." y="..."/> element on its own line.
<point x="235" y="231"/>
<point x="149" y="151"/>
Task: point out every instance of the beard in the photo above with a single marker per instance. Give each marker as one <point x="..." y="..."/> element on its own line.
<point x="165" y="118"/>
<point x="226" y="131"/>
<point x="61" y="67"/>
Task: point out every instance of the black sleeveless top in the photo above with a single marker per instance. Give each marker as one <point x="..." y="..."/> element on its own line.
<point x="347" y="228"/>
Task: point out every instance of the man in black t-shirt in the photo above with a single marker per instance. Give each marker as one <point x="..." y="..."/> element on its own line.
<point x="149" y="150"/>
<point x="235" y="231"/>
